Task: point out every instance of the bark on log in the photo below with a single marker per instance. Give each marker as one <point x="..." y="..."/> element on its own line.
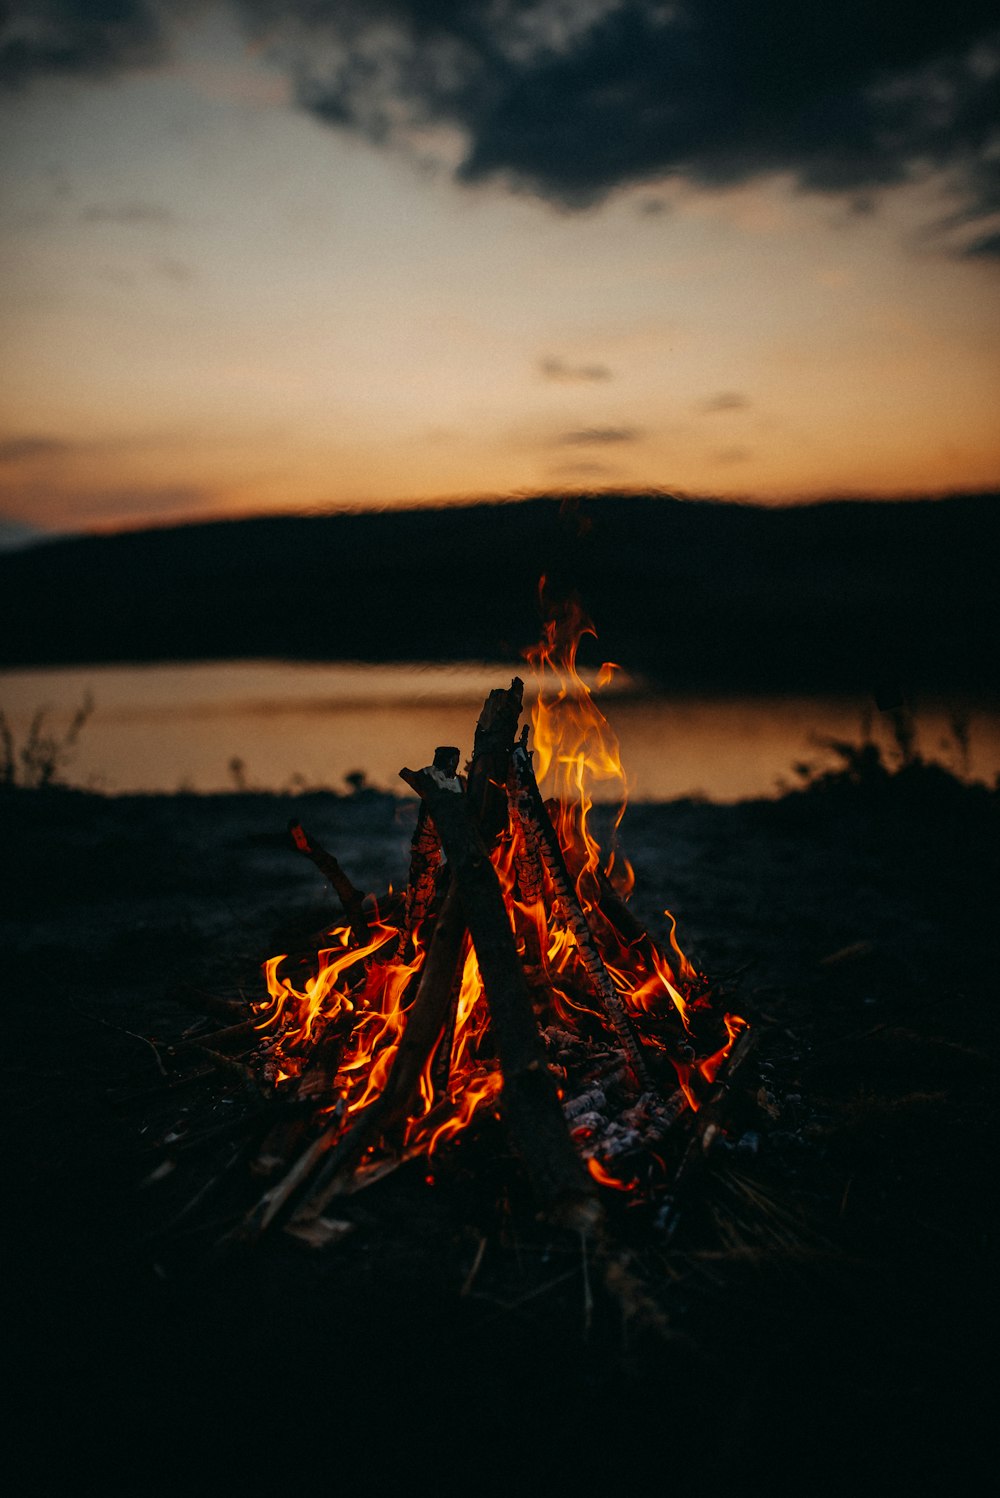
<point x="350" y="898"/>
<point x="495" y="734"/>
<point x="527" y="849"/>
<point x="529" y="1101"/>
<point x="425" y="849"/>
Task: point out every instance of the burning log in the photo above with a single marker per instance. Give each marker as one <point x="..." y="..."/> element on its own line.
<point x="424" y="1027"/>
<point x="494" y="741"/>
<point x="532" y="813"/>
<point x="529" y="1100"/>
<point x="425" y="849"/>
<point x="707" y="1129"/>
<point x="313" y="1180"/>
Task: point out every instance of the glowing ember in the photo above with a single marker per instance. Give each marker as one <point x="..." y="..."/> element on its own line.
<point x="620" y="1016"/>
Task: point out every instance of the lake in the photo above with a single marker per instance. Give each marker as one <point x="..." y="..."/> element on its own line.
<point x="266" y="725"/>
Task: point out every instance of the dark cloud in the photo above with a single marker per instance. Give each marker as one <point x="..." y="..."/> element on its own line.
<point x="986" y="247"/>
<point x="74" y="38"/>
<point x="600" y="436"/>
<point x="732" y="455"/>
<point x="571" y="102"/>
<point x="128" y="213"/>
<point x="23" y="449"/>
<point x="726" y="400"/>
<point x="557" y="369"/>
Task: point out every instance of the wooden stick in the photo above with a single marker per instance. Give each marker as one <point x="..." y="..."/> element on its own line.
<point x="209" y="1003"/>
<point x="529" y="1101"/>
<point x="235" y="1070"/>
<point x="495" y="733"/>
<point x="705" y="1129"/>
<point x="532" y="812"/>
<point x="214" y="1038"/>
<point x="275" y="1204"/>
<point x="351" y="899"/>
<point x="424" y="1025"/>
<point x="425" y="849"/>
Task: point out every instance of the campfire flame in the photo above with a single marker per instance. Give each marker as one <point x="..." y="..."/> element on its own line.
<point x="333" y="1022"/>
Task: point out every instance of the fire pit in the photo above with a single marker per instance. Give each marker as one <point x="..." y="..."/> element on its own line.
<point x="509" y="977"/>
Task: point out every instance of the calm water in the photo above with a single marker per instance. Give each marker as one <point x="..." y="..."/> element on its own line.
<point x="164" y="728"/>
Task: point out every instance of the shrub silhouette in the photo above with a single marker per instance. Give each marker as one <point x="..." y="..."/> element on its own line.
<point x="44" y="755"/>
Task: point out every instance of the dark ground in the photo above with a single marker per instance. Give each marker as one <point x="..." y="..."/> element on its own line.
<point x="827" y="1296"/>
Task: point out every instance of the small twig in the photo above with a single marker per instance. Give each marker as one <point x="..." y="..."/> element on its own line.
<point x="96" y="1019"/>
<point x="477" y="1261"/>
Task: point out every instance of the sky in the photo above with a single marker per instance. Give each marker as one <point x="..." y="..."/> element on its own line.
<point x="261" y="256"/>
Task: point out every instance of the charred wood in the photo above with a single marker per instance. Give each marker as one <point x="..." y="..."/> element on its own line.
<point x="529" y="1101"/>
<point x="494" y="740"/>
<point x="425" y="1024"/>
<point x="235" y="1071"/>
<point x="706" y="1130"/>
<point x="210" y="1004"/>
<point x="425" y="848"/>
<point x="351" y="899"/>
<point x="245" y="1030"/>
<point x="532" y="812"/>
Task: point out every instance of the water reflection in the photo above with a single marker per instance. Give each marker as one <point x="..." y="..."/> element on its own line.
<point x="269" y="725"/>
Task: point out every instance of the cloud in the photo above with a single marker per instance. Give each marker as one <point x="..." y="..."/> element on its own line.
<point x="581" y="470"/>
<point x="27" y="448"/>
<point x="572" y="102"/>
<point x="600" y="436"/>
<point x="128" y="213"/>
<point x="987" y="246"/>
<point x="173" y="269"/>
<point x="732" y="455"/>
<point x="726" y="400"/>
<point x="78" y="38"/>
<point x="556" y="369"/>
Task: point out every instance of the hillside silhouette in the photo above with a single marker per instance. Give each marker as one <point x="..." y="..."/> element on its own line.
<point x="885" y="597"/>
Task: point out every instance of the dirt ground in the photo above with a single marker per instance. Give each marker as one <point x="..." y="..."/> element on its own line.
<point x="821" y="1309"/>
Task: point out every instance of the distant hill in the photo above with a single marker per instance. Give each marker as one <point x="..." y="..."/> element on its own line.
<point x="841" y="596"/>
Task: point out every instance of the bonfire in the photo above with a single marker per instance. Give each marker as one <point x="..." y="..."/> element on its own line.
<point x="509" y="977"/>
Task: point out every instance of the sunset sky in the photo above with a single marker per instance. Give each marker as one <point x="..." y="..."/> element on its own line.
<point x="261" y="256"/>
